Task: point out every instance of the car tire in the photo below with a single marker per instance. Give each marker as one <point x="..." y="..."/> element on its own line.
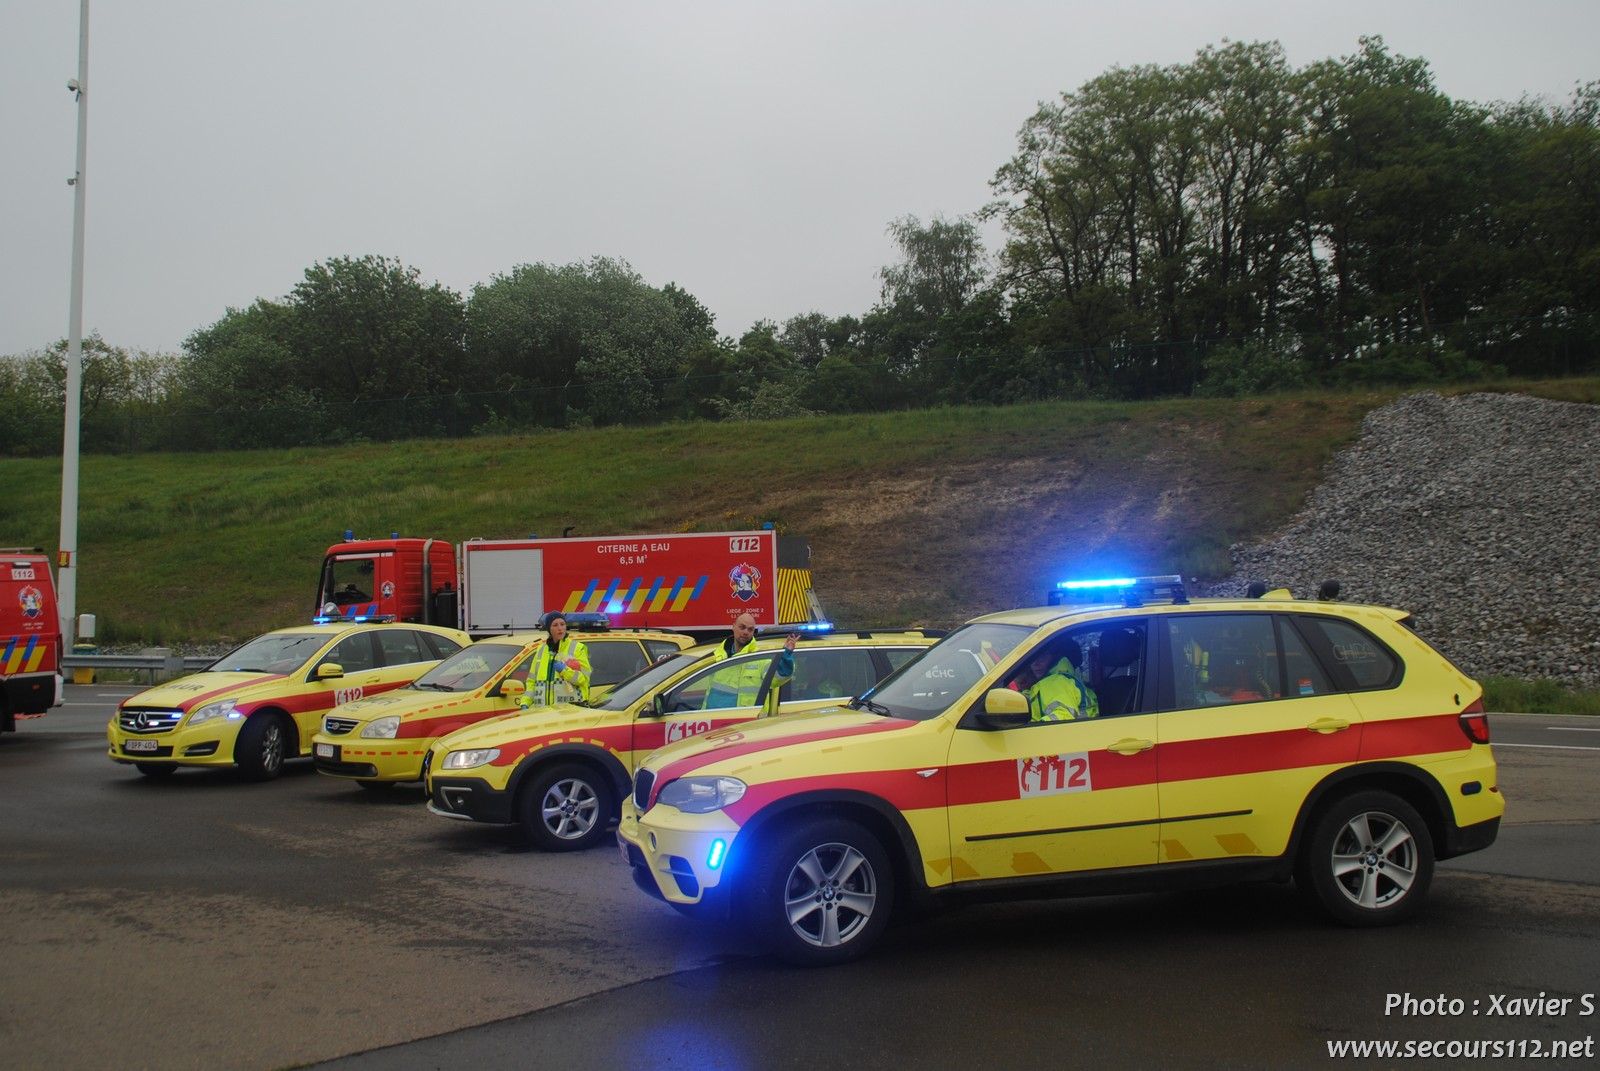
<point x="1368" y="860"/>
<point x="262" y="746"/>
<point x="823" y="894"/>
<point x="156" y="771"/>
<point x="566" y="808"/>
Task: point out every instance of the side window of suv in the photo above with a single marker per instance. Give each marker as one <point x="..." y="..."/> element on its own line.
<point x="1223" y="658"/>
<point x="1358" y="661"/>
<point x="1091" y="672"/>
<point x="831" y="673"/>
<point x="730" y="683"/>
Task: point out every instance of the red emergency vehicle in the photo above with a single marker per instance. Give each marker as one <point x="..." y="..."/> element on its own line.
<point x="30" y="637"/>
<point x="681" y="582"/>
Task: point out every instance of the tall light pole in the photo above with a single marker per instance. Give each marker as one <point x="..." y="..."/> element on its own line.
<point x="67" y="558"/>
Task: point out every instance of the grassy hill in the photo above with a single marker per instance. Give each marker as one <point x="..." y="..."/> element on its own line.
<point x="920" y="517"/>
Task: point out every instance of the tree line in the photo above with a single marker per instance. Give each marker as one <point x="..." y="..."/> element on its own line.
<point x="1224" y="226"/>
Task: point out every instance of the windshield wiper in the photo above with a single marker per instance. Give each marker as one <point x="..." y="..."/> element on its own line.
<point x="433" y="685"/>
<point x="861" y="702"/>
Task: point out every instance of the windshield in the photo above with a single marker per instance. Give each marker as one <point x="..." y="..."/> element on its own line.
<point x="925" y="687"/>
<point x="277" y="652"/>
<point x="469" y="668"/>
<point x="637" y="686"/>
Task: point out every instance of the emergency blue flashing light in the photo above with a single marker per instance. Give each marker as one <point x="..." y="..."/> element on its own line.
<point x="815" y="626"/>
<point x="719" y="849"/>
<point x="1087" y="585"/>
<point x="394" y="535"/>
<point x="589" y="622"/>
<point x="324" y="619"/>
<point x="349" y="535"/>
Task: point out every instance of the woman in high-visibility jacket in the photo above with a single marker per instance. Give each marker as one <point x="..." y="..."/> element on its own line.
<point x="560" y="669"/>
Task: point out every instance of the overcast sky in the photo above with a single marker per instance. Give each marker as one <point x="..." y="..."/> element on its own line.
<point x="751" y="152"/>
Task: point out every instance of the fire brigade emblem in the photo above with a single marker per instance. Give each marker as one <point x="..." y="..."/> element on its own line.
<point x="31" y="600"/>
<point x="745" y="579"/>
<point x="388" y="589"/>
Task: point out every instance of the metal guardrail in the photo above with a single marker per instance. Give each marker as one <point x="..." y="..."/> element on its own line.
<point x="158" y="662"/>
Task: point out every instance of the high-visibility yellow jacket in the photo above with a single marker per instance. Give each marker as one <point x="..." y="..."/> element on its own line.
<point x="739" y="686"/>
<point x="1061" y="695"/>
<point x="551" y="680"/>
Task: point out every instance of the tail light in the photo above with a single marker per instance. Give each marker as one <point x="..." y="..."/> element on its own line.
<point x="1475" y="723"/>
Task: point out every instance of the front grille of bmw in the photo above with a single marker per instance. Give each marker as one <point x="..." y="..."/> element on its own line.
<point x="148" y="719"/>
<point x="338" y="726"/>
<point x="642" y="782"/>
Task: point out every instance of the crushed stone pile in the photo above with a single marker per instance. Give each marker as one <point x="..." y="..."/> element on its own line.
<point x="1480" y="514"/>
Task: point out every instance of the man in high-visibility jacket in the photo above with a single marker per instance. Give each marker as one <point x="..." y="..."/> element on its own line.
<point x="1062" y="694"/>
<point x="559" y="672"/>
<point x="740" y="685"/>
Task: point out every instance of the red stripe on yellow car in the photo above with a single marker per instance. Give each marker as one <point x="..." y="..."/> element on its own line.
<point x="734" y="746"/>
<point x="1188" y="760"/>
<point x="411" y="729"/>
<point x="1413" y="736"/>
<point x="206" y="697"/>
<point x="903" y="788"/>
<point x="612" y="737"/>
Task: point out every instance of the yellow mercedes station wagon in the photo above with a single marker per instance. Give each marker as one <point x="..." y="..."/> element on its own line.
<point x="258" y="705"/>
<point x="1164" y="742"/>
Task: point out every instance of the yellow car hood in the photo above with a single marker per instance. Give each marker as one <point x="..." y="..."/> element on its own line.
<point x="535" y="721"/>
<point x="198" y="689"/>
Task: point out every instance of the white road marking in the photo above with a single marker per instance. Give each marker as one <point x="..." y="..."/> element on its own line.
<point x="1569" y="729"/>
<point x="1551" y="747"/>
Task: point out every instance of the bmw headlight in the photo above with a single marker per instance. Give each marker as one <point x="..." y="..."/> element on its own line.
<point x="702" y="795"/>
<point x="213" y="711"/>
<point x="382" y="729"/>
<point x="466" y="760"/>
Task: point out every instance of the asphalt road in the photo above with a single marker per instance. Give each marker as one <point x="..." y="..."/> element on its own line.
<point x="204" y="922"/>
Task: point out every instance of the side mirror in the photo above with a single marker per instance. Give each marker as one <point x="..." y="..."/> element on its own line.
<point x="1004" y="709"/>
<point x="512" y="688"/>
<point x="329" y="670"/>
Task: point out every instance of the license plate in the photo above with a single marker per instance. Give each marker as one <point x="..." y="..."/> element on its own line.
<point x="132" y="746"/>
<point x="327" y="751"/>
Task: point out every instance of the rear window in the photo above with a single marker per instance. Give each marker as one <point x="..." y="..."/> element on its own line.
<point x="1358" y="660"/>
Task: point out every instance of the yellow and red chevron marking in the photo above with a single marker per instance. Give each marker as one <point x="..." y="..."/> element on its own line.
<point x="603" y="595"/>
<point x="23" y="654"/>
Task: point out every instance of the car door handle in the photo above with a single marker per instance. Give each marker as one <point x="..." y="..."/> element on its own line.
<point x="1129" y="746"/>
<point x="1328" y="725"/>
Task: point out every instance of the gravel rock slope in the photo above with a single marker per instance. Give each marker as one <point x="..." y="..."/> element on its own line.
<point x="1479" y="513"/>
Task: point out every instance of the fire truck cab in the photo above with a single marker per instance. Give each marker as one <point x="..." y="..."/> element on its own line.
<point x="30" y="637"/>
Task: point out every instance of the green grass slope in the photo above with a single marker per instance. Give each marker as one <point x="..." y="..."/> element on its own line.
<point x="920" y="517"/>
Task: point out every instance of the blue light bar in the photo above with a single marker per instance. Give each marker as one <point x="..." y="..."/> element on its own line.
<point x="1086" y="585"/>
<point x="719" y="849"/>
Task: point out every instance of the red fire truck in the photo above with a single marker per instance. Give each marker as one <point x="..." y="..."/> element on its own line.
<point x="681" y="582"/>
<point x="30" y="637"/>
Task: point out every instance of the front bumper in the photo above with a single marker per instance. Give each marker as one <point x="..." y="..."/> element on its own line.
<point x="207" y="744"/>
<point x="369" y="760"/>
<point x="673" y="855"/>
<point x="470" y="799"/>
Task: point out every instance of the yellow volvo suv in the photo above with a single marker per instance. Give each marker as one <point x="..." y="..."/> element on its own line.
<point x="562" y="772"/>
<point x="1197" y="742"/>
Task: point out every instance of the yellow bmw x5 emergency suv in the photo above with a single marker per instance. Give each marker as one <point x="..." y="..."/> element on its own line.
<point x="258" y="705"/>
<point x="562" y="772"/>
<point x="382" y="740"/>
<point x="1201" y="741"/>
